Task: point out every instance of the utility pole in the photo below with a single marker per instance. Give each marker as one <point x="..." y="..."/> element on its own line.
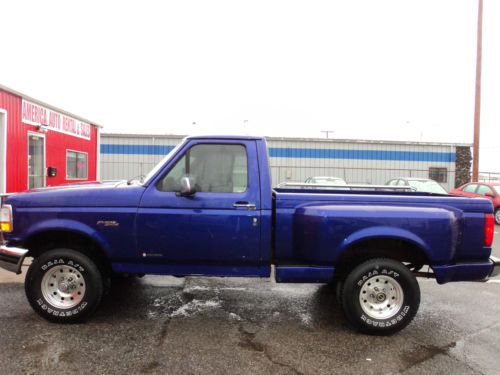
<point x="327" y="132"/>
<point x="477" y="108"/>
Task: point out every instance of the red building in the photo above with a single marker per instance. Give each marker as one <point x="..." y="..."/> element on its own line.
<point x="41" y="145"/>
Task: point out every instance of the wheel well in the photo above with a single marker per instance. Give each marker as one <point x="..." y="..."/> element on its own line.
<point x="45" y="241"/>
<point x="396" y="249"/>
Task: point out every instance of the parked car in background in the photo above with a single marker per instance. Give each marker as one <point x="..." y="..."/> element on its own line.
<point x="419" y="184"/>
<point x="326" y="180"/>
<point x="484" y="190"/>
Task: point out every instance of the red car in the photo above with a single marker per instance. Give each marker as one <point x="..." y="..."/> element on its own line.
<point x="489" y="190"/>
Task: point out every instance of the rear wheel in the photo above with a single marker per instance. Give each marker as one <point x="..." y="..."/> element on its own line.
<point x="380" y="296"/>
<point x="497" y="216"/>
<point x="64" y="286"/>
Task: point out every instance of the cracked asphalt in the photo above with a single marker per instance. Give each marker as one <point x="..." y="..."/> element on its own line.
<point x="194" y="325"/>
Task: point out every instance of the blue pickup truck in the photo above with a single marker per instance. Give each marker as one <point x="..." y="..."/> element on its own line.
<point x="208" y="208"/>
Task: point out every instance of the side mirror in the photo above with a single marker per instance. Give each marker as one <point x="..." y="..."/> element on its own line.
<point x="187" y="187"/>
<point x="490" y="195"/>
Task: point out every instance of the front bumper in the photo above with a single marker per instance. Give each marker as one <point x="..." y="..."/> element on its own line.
<point x="12" y="258"/>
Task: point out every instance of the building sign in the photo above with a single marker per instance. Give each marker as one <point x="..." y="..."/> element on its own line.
<point x="35" y="114"/>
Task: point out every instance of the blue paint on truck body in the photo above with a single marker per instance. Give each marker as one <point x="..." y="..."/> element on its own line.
<point x="305" y="233"/>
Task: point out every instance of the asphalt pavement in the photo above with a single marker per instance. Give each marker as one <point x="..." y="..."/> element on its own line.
<point x="194" y="325"/>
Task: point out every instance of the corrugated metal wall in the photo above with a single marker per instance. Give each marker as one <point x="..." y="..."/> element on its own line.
<point x="358" y="162"/>
<point x="17" y="155"/>
<point x="126" y="156"/>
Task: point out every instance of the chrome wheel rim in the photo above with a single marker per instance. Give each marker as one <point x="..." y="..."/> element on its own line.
<point x="497" y="216"/>
<point x="381" y="297"/>
<point x="63" y="287"/>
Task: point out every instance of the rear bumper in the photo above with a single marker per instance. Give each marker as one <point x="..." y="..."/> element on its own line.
<point x="12" y="258"/>
<point x="495" y="271"/>
<point x="481" y="271"/>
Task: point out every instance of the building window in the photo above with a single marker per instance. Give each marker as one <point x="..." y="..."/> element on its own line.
<point x="438" y="174"/>
<point x="76" y="165"/>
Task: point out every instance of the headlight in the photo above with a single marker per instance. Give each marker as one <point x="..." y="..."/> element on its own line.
<point x="6" y="224"/>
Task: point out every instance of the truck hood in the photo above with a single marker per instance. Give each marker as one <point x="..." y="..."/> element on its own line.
<point x="96" y="194"/>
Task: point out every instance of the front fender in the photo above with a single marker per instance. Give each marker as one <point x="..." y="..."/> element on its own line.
<point x="68" y="225"/>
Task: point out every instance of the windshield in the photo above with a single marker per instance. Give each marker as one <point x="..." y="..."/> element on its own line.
<point x="427" y="186"/>
<point x="157" y="167"/>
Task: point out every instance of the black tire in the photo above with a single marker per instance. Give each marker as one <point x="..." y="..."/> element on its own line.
<point x="69" y="262"/>
<point x="339" y="286"/>
<point x="380" y="284"/>
<point x="497" y="216"/>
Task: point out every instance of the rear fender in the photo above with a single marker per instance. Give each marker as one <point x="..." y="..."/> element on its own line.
<point x="383" y="232"/>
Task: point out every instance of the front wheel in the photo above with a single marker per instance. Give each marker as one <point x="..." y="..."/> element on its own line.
<point x="497" y="216"/>
<point x="380" y="296"/>
<point x="64" y="286"/>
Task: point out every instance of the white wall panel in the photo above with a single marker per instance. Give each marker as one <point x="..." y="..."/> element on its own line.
<point x="127" y="165"/>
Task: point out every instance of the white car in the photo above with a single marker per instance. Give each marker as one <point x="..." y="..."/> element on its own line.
<point x="326" y="182"/>
<point x="419" y="184"/>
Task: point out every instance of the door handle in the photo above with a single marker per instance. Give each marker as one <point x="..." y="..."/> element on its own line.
<point x="242" y="204"/>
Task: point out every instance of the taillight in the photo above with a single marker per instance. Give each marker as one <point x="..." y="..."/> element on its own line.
<point x="489" y="229"/>
<point x="6" y="218"/>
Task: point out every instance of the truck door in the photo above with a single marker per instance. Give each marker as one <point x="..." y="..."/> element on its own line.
<point x="216" y="230"/>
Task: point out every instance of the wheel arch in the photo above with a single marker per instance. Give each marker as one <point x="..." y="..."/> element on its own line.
<point x="393" y="247"/>
<point x="45" y="240"/>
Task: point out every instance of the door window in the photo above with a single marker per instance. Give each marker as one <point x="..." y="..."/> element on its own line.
<point x="214" y="168"/>
<point x="36" y="161"/>
<point x="483" y="190"/>
<point x="470" y="188"/>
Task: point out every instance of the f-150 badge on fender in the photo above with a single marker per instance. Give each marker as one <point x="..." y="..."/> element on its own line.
<point x="108" y="223"/>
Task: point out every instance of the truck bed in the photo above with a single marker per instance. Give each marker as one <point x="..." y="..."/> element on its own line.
<point x="317" y="228"/>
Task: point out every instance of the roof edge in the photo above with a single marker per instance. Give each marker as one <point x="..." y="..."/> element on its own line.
<point x="39" y="102"/>
<point x="293" y="139"/>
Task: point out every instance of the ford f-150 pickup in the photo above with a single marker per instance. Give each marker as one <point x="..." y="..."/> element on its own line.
<point x="209" y="209"/>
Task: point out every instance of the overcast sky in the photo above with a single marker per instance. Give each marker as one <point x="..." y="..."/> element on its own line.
<point x="387" y="69"/>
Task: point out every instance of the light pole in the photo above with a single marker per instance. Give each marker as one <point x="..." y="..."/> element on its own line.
<point x="327" y="132"/>
<point x="477" y="107"/>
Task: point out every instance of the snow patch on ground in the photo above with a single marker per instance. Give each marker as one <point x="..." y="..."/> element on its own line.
<point x="306" y="318"/>
<point x="216" y="289"/>
<point x="162" y="281"/>
<point x="196" y="287"/>
<point x="234" y="316"/>
<point x="295" y="289"/>
<point x="194" y="307"/>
